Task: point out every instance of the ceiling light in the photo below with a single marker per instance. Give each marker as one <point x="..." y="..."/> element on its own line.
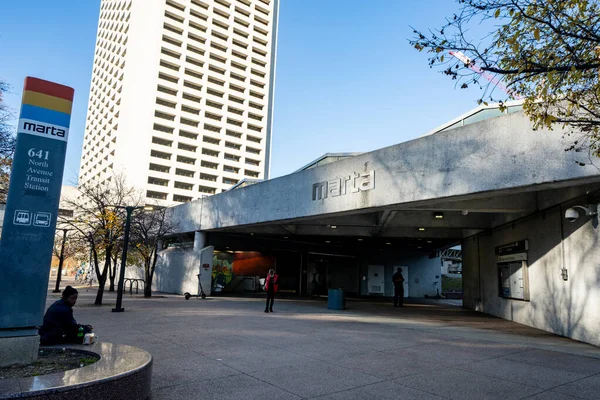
<point x="420" y="247"/>
<point x="360" y="239"/>
<point x="327" y="241"/>
<point x="464" y="212"/>
<point x="438" y="215"/>
<point x="421" y="229"/>
<point x="388" y="243"/>
<point x="429" y="241"/>
<point x="333" y="226"/>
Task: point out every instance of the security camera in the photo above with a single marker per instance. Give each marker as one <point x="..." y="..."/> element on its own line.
<point x="571" y="215"/>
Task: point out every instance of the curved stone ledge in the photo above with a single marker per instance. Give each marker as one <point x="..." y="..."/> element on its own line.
<point x="122" y="372"/>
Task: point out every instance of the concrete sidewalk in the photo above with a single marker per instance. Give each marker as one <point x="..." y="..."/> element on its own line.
<point x="228" y="348"/>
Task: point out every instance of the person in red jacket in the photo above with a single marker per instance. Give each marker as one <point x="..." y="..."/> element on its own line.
<point x="271" y="287"/>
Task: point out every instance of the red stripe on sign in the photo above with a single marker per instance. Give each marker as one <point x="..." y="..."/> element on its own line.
<point x="49" y="88"/>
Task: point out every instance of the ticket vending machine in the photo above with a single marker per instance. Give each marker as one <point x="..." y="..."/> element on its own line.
<point x="513" y="279"/>
<point x="513" y="276"/>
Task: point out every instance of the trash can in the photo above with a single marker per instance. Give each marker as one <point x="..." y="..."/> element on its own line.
<point x="336" y="299"/>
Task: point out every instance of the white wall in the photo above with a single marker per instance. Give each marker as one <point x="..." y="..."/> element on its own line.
<point x="570" y="308"/>
<point x="138" y="98"/>
<point x="423" y="272"/>
<point x="2" y="206"/>
<point x="176" y="270"/>
<point x="424" y="276"/>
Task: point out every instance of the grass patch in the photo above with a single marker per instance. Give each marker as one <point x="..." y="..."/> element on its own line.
<point x="50" y="361"/>
<point x="451" y="284"/>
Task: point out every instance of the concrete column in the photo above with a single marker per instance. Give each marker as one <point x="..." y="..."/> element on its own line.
<point x="199" y="240"/>
<point x="19" y="349"/>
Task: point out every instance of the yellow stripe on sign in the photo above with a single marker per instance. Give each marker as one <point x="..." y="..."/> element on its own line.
<point x="47" y="101"/>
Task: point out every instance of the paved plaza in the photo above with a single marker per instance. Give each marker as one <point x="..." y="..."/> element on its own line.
<point x="228" y="348"/>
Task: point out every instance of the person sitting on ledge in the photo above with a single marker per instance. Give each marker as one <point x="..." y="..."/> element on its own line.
<point x="59" y="325"/>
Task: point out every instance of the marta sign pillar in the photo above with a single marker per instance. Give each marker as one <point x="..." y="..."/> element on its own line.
<point x="30" y="216"/>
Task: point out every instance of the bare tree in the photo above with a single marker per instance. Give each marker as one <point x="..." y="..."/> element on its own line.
<point x="7" y="143"/>
<point x="148" y="230"/>
<point x="72" y="247"/>
<point x="133" y="258"/>
<point x="112" y="270"/>
<point x="99" y="223"/>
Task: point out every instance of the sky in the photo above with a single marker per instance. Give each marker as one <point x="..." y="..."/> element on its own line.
<point x="347" y="79"/>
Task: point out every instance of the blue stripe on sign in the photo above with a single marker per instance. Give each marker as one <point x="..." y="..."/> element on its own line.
<point x="45" y="115"/>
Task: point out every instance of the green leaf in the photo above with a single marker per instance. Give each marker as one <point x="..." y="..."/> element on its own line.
<point x="497" y="13"/>
<point x="536" y="34"/>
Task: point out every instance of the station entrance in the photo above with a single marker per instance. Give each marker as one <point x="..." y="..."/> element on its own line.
<point x="311" y="266"/>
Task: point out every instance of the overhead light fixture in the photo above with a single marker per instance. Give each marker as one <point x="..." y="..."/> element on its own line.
<point x="327" y="241"/>
<point x="333" y="226"/>
<point x="429" y="241"/>
<point x="464" y="212"/>
<point x="388" y="243"/>
<point x="438" y="215"/>
<point x="360" y="239"/>
<point x="420" y="247"/>
<point x="421" y="229"/>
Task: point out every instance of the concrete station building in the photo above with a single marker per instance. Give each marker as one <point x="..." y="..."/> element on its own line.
<point x="486" y="181"/>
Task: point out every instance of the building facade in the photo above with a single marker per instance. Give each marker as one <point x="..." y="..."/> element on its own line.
<point x="181" y="97"/>
<point x="524" y="211"/>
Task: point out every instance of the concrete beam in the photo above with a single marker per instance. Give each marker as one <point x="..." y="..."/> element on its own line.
<point x="451" y="219"/>
<point x="481" y="162"/>
<point x="385" y="218"/>
<point x="363" y="218"/>
<point x="501" y="203"/>
<point x="291" y="229"/>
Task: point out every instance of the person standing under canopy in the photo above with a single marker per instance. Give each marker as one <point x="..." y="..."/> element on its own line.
<point x="398" y="280"/>
<point x="271" y="287"/>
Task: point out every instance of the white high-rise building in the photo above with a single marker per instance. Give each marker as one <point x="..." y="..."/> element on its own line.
<point x="181" y="97"/>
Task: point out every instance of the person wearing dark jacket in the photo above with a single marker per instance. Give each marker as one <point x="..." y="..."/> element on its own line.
<point x="59" y="325"/>
<point x="271" y="287"/>
<point x="398" y="280"/>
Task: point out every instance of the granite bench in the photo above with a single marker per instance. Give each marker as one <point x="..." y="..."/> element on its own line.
<point x="122" y="372"/>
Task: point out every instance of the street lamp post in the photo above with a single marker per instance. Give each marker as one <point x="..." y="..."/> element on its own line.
<point x="60" y="262"/>
<point x="129" y="210"/>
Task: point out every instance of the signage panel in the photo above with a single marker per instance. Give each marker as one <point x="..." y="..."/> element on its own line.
<point x="341" y="186"/>
<point x="32" y="205"/>
<point x="512" y="257"/>
<point x="512" y="248"/>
